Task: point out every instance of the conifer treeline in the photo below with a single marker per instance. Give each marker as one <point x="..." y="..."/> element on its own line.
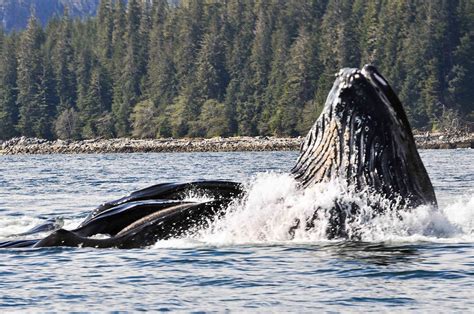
<point x="208" y="68"/>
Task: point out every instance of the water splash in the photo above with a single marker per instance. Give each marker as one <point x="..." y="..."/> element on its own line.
<point x="11" y="225"/>
<point x="274" y="205"/>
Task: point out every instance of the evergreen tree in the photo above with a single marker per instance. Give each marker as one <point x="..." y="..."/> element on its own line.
<point x="143" y="120"/>
<point x="127" y="83"/>
<point x="8" y="87"/>
<point x="211" y="74"/>
<point x="338" y="45"/>
<point x="270" y="119"/>
<point x="368" y="27"/>
<point x="118" y="36"/>
<point x="96" y="103"/>
<point x="240" y="24"/>
<point x="461" y="74"/>
<point x="162" y="86"/>
<point x="213" y="119"/>
<point x="189" y="33"/>
<point x="143" y="45"/>
<point x="393" y="29"/>
<point x="47" y="101"/>
<point x="260" y="59"/>
<point x="30" y="75"/>
<point x="298" y="88"/>
<point x="105" y="30"/>
<point x="63" y="56"/>
<point x="84" y="65"/>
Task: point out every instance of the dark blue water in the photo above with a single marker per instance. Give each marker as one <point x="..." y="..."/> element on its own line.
<point x="244" y="263"/>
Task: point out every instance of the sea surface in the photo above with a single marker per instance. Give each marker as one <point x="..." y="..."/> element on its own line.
<point x="421" y="260"/>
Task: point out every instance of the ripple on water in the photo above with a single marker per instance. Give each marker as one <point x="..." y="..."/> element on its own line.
<point x="426" y="272"/>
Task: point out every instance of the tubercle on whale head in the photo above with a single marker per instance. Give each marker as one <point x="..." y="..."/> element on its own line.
<point x="370" y="94"/>
<point x="363" y="136"/>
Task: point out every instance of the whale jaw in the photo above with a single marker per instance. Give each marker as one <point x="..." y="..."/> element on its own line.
<point x="364" y="138"/>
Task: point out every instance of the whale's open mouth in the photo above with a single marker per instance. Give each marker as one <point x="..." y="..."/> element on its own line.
<point x="363" y="137"/>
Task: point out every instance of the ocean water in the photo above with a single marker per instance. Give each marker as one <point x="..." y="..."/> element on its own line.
<point x="421" y="260"/>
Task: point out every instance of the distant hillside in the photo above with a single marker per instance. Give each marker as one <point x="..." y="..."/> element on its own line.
<point x="14" y="14"/>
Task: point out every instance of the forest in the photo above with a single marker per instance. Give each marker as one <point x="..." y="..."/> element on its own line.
<point x="151" y="69"/>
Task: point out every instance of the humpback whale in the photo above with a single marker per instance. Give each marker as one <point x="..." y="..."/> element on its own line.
<point x="362" y="137"/>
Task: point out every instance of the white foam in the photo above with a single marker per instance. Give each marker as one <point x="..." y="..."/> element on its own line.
<point x="199" y="196"/>
<point x="461" y="214"/>
<point x="274" y="203"/>
<point x="14" y="225"/>
<point x="11" y="226"/>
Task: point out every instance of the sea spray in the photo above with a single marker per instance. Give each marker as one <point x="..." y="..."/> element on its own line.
<point x="274" y="204"/>
<point x="461" y="214"/>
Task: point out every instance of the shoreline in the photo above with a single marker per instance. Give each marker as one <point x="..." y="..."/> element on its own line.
<point x="33" y="146"/>
<point x="24" y="145"/>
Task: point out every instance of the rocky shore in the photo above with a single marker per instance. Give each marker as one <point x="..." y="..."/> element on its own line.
<point x="444" y="141"/>
<point x="23" y="145"/>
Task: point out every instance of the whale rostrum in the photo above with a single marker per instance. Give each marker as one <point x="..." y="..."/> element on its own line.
<point x="363" y="137"/>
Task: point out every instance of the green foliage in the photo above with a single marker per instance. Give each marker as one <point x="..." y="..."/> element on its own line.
<point x="95" y="104"/>
<point x="8" y="88"/>
<point x="211" y="75"/>
<point x="175" y="114"/>
<point x="220" y="68"/>
<point x="143" y="120"/>
<point x="213" y="119"/>
<point x="63" y="56"/>
<point x="30" y="82"/>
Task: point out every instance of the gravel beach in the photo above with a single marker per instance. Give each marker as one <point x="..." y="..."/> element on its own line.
<point x="23" y="145"/>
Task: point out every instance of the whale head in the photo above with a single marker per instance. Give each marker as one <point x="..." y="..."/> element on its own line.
<point x="364" y="138"/>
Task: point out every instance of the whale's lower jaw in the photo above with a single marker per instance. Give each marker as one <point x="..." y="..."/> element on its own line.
<point x="363" y="137"/>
